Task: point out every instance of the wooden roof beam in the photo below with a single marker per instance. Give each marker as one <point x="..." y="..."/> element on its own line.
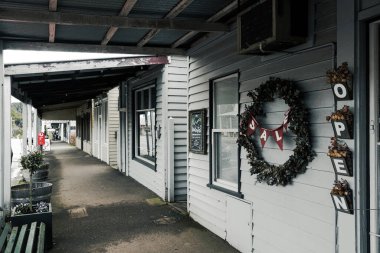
<point x="89" y="48"/>
<point x="55" y="101"/>
<point x="128" y="5"/>
<point x="46" y="17"/>
<point x="223" y="12"/>
<point x="34" y="68"/>
<point x="68" y="86"/>
<point x="181" y="5"/>
<point x="64" y="77"/>
<point x="52" y="7"/>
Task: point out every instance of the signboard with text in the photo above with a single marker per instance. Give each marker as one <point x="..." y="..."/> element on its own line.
<point x="41" y="139"/>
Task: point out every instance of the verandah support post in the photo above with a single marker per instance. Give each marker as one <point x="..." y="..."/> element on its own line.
<point x="35" y="128"/>
<point x="24" y="127"/>
<point x="7" y="142"/>
<point x="5" y="136"/>
<point x="29" y="127"/>
<point x="171" y="166"/>
<point x="1" y="129"/>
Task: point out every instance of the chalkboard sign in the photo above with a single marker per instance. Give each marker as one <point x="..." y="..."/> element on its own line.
<point x="197" y="131"/>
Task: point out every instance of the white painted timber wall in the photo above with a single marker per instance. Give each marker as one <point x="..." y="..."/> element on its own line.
<point x="154" y="180"/>
<point x="113" y="126"/>
<point x="176" y="107"/>
<point x="297" y="218"/>
<point x="171" y="102"/>
<point x="87" y="146"/>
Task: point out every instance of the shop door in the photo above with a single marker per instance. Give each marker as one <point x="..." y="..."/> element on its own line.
<point x="374" y="137"/>
<point x="99" y="146"/>
<point x="104" y="132"/>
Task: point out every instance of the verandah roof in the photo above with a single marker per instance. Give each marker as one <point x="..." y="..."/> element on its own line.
<point x="160" y="27"/>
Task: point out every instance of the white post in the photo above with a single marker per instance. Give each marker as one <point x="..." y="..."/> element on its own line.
<point x="171" y="167"/>
<point x="35" y="128"/>
<point x="7" y="142"/>
<point x="61" y="130"/>
<point x="24" y="128"/>
<point x="29" y="130"/>
<point x="2" y="142"/>
<point x="126" y="140"/>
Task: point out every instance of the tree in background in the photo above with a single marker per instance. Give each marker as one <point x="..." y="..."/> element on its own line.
<point x="16" y="114"/>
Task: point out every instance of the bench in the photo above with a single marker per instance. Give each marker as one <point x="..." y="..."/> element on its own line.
<point x="28" y="238"/>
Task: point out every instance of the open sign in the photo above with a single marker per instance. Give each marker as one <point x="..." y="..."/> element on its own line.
<point x="41" y="139"/>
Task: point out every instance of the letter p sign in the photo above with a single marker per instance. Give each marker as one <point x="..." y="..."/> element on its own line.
<point x="341" y="129"/>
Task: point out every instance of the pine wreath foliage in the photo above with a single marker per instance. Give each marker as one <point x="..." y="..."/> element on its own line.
<point x="298" y="124"/>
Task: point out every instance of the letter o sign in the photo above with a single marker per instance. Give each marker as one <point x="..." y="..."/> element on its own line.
<point x="341" y="91"/>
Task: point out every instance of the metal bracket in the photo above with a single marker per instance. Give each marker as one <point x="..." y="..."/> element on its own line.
<point x="372" y="127"/>
<point x="374" y="234"/>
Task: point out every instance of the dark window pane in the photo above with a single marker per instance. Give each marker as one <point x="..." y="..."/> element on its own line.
<point x="146" y="99"/>
<point x="226" y="156"/>
<point x="146" y="135"/>
<point x="153" y="97"/>
<point x="226" y="103"/>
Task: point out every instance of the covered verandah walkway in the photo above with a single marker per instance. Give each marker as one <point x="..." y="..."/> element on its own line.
<point x="96" y="209"/>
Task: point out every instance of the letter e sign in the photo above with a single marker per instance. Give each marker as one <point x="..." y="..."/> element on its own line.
<point x="341" y="167"/>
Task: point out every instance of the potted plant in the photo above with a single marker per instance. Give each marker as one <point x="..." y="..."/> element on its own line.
<point x="341" y="82"/>
<point x="342" y="121"/>
<point x="31" y="199"/>
<point x="341" y="195"/>
<point x="32" y="192"/>
<point x="341" y="157"/>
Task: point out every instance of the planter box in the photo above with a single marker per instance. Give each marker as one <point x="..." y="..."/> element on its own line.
<point x="41" y="192"/>
<point x="343" y="203"/>
<point x="342" y="166"/>
<point x="40" y="175"/>
<point x="47" y="218"/>
<point x="342" y="129"/>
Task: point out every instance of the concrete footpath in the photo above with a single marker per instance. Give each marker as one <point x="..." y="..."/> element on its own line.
<point x="97" y="209"/>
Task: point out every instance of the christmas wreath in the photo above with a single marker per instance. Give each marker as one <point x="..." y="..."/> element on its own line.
<point x="296" y="117"/>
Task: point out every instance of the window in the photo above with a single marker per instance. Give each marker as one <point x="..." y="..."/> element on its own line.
<point x="224" y="132"/>
<point x="145" y="125"/>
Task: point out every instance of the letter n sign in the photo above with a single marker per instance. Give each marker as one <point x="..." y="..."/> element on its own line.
<point x="341" y="167"/>
<point x="341" y="204"/>
<point x="341" y="91"/>
<point x="341" y="129"/>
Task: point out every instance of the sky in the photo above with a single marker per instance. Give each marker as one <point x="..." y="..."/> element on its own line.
<point x="24" y="56"/>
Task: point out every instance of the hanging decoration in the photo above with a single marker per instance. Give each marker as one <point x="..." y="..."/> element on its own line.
<point x="341" y="82"/>
<point x="341" y="157"/>
<point x="295" y="119"/>
<point x="341" y="195"/>
<point x="342" y="121"/>
<point x="277" y="134"/>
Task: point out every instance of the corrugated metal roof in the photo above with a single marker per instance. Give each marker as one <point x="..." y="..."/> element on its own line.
<point x="166" y="38"/>
<point x="81" y="34"/>
<point x="24" y="31"/>
<point x="199" y="9"/>
<point x="35" y="5"/>
<point x="108" y="7"/>
<point x="157" y="8"/>
<point x="128" y="36"/>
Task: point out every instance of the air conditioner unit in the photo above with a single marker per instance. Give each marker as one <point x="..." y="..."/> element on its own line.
<point x="272" y="25"/>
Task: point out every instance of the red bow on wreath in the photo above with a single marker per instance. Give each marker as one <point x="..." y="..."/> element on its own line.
<point x="278" y="133"/>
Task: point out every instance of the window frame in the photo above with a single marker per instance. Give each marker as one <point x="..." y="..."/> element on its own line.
<point x="135" y="112"/>
<point x="214" y="183"/>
